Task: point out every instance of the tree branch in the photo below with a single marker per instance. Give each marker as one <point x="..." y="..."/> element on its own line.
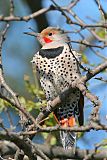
<point x="58" y="152"/>
<point x="28" y="147"/>
<point x="15" y="99"/>
<point x="80" y="84"/>
<point x="26" y="18"/>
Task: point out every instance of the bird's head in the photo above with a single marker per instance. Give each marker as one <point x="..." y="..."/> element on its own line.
<point x="52" y="36"/>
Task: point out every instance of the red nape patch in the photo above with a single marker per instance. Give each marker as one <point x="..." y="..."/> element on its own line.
<point x="47" y="40"/>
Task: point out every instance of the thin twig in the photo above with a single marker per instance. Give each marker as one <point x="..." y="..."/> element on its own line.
<point x="101" y="79"/>
<point x="72" y="4"/>
<point x="11" y="8"/>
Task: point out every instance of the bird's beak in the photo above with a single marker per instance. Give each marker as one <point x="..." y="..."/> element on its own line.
<point x="32" y="34"/>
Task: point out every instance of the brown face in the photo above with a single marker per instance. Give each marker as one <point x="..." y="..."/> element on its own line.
<point x="48" y="33"/>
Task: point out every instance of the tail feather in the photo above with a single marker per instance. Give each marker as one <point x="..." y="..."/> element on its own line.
<point x="68" y="139"/>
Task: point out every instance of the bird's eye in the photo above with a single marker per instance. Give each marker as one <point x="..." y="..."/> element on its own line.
<point x="50" y="34"/>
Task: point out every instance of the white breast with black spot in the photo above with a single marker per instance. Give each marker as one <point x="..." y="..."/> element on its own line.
<point x="56" y="74"/>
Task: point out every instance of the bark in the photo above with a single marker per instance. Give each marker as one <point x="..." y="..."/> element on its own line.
<point x="53" y="151"/>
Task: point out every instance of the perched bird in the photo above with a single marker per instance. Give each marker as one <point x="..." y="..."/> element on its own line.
<point x="57" y="66"/>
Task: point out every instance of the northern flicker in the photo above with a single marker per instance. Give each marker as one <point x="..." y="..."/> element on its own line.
<point x="57" y="67"/>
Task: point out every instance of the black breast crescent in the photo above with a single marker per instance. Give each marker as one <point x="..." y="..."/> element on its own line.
<point x="51" y="53"/>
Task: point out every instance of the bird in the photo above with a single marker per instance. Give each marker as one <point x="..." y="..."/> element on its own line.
<point x="57" y="66"/>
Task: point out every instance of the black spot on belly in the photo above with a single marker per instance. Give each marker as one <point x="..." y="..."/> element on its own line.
<point x="51" y="53"/>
